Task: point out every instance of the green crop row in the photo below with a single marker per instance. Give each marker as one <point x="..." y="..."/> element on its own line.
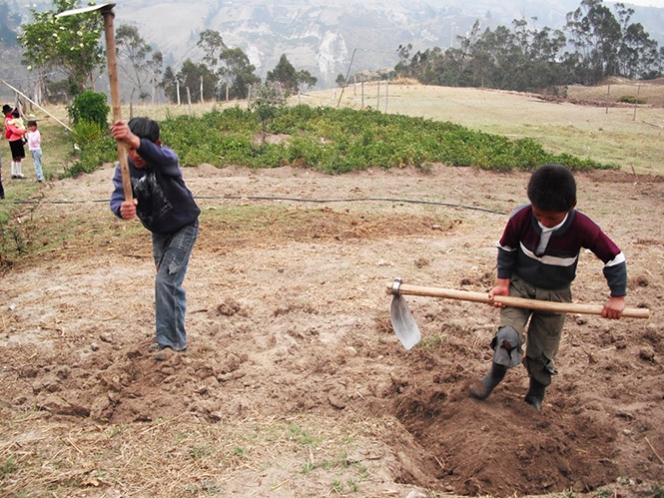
<point x="342" y="140"/>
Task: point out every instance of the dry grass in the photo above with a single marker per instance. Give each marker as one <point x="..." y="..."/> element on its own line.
<point x="180" y="457"/>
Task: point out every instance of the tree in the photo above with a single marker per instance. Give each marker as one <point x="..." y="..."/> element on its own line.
<point x="8" y="25"/>
<point x="169" y="84"/>
<point x="238" y="72"/>
<point x="596" y="34"/>
<point x="190" y="77"/>
<point x="290" y="80"/>
<point x="132" y="48"/>
<point x="154" y="66"/>
<point x="268" y="99"/>
<point x="71" y="44"/>
<point x="213" y="46"/>
<point x="230" y="65"/>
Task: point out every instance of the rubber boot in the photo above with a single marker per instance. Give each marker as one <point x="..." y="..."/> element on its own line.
<point x="19" y="170"/>
<point x="535" y="394"/>
<point x="13" y="169"/>
<point x="2" y="189"/>
<point x="489" y="381"/>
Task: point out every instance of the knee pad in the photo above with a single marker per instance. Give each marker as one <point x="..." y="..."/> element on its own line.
<point x="506" y="350"/>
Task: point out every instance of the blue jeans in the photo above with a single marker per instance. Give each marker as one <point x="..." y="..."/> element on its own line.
<point x="171" y="256"/>
<point x="36" y="157"/>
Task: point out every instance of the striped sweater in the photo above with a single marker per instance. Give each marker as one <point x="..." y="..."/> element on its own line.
<point x="555" y="268"/>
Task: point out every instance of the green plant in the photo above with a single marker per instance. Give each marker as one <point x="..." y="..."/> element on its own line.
<point x="336" y="141"/>
<point x="95" y="146"/>
<point x="199" y="452"/>
<point x="431" y="341"/>
<point x="238" y="451"/>
<point x="89" y="106"/>
<point x="9" y="467"/>
<point x="631" y="99"/>
<point x="302" y="436"/>
<point x="657" y="491"/>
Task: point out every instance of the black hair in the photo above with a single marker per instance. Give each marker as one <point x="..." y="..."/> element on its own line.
<point x="552" y="188"/>
<point x="32" y="123"/>
<point x="145" y="128"/>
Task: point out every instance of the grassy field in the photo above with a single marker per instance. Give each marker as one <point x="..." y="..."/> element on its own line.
<point x="625" y="135"/>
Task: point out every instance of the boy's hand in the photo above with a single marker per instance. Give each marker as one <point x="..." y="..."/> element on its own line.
<point x="128" y="209"/>
<point x="120" y="131"/>
<point x="502" y="288"/>
<point x="614" y="307"/>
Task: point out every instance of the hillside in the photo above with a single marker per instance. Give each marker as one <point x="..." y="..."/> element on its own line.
<point x="324" y="37"/>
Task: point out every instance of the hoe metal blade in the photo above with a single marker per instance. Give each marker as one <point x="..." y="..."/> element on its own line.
<point x="403" y="322"/>
<point x="83" y="10"/>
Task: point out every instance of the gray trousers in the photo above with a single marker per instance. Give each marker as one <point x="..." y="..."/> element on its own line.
<point x="539" y="330"/>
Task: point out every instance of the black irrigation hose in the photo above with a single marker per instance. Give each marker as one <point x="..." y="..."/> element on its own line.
<point x="296" y="199"/>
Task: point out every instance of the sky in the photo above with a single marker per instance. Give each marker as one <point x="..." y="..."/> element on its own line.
<point x="643" y="3"/>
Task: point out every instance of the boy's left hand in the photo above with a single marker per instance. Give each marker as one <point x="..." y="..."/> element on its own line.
<point x="614" y="307"/>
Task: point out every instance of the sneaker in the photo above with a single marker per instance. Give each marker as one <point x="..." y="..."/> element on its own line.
<point x="14" y="177"/>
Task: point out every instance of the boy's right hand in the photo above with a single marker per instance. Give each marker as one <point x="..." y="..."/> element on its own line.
<point x="128" y="209"/>
<point x="502" y="288"/>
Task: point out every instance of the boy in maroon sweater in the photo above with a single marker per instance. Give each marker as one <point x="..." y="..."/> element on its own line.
<point x="537" y="259"/>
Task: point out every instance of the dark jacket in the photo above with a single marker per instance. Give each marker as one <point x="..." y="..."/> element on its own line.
<point x="165" y="204"/>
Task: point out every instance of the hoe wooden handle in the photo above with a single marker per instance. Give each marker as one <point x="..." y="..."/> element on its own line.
<point x="517" y="302"/>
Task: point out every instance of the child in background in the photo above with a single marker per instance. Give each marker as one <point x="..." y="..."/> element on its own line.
<point x="34" y="146"/>
<point x="16" y="120"/>
<point x="16" y="136"/>
<point x="2" y="189"/>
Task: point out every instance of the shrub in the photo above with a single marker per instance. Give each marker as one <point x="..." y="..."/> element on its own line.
<point x="95" y="147"/>
<point x="89" y="106"/>
<point x="631" y="99"/>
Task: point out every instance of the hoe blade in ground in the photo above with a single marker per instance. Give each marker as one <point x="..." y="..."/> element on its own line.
<point x="403" y="323"/>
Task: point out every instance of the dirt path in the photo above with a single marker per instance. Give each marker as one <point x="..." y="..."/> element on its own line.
<point x="294" y="383"/>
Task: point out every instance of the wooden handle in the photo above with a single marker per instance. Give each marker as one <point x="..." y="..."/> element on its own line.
<point x="109" y="34"/>
<point x="517" y="302"/>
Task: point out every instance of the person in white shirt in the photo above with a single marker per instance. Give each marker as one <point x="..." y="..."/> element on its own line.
<point x="34" y="146"/>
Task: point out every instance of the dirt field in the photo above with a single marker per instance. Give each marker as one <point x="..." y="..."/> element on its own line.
<point x="294" y="384"/>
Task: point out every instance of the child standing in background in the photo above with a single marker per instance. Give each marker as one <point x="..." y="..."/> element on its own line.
<point x="34" y="146"/>
<point x="15" y="136"/>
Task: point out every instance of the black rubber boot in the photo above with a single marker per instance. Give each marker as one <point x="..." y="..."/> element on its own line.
<point x="535" y="394"/>
<point x="489" y="381"/>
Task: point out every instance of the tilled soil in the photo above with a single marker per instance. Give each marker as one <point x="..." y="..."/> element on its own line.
<point x="288" y="323"/>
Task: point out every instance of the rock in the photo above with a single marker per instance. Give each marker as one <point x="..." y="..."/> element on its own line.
<point x="101" y="408"/>
<point x="106" y="337"/>
<point x="416" y="494"/>
<point x="336" y="400"/>
<point x="647" y="353"/>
